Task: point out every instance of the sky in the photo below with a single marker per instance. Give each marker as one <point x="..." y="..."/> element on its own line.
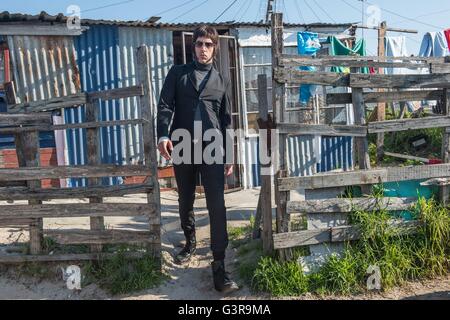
<point x="423" y="16"/>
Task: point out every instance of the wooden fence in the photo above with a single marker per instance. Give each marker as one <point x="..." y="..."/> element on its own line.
<point x="322" y="190"/>
<point x="25" y="121"/>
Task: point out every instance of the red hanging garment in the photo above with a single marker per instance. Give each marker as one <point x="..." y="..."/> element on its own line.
<point x="447" y="36"/>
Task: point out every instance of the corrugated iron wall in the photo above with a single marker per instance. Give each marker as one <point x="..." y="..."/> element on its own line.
<point x="160" y="46"/>
<point x="106" y="55"/>
<point x="43" y="67"/>
<point x="336" y="154"/>
<point x="302" y="156"/>
<point x="96" y="51"/>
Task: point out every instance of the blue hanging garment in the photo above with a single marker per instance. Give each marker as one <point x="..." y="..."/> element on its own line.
<point x="434" y="44"/>
<point x="308" y="45"/>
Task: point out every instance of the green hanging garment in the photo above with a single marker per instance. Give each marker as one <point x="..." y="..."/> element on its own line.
<point x="338" y="48"/>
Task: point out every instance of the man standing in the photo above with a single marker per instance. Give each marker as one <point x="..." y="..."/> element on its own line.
<point x="194" y="96"/>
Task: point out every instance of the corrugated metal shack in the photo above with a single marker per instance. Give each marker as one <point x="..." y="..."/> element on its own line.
<point x="51" y="61"/>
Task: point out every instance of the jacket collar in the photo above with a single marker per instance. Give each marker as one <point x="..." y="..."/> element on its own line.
<point x="212" y="77"/>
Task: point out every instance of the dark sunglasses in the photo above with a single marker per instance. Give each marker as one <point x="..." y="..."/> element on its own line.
<point x="200" y="44"/>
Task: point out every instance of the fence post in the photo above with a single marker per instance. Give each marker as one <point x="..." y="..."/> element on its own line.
<point x="147" y="112"/>
<point x="278" y="105"/>
<point x="28" y="155"/>
<point x="265" y="198"/>
<point x="93" y="155"/>
<point x="444" y="190"/>
<point x="381" y="108"/>
<point x="362" y="144"/>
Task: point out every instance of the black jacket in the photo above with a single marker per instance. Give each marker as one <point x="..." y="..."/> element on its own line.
<point x="179" y="98"/>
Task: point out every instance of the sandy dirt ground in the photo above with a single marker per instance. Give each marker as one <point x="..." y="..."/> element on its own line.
<point x="193" y="281"/>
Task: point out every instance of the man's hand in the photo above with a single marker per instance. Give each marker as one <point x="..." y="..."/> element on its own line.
<point x="166" y="148"/>
<point x="228" y="170"/>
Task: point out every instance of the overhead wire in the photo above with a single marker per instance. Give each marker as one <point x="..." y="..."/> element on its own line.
<point x="239" y="10"/>
<point x="189" y="11"/>
<point x="175" y="7"/>
<point x="404" y="17"/>
<point x="224" y="11"/>
<point x="106" y="6"/>
<point x="324" y="11"/>
<point x="312" y="10"/>
<point x="246" y="10"/>
<point x="299" y="11"/>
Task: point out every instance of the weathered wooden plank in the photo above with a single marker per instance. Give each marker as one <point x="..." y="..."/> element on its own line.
<point x="399" y="81"/>
<point x="336" y="234"/>
<point x="102" y="236"/>
<point x="352" y="233"/>
<point x="76" y="99"/>
<point x="406" y="157"/>
<point x="15" y="222"/>
<point x="301" y="238"/>
<point x="20" y="258"/>
<point x="265" y="197"/>
<point x="28" y="155"/>
<point x="38" y="173"/>
<point x="319" y="78"/>
<point x="78" y="210"/>
<point x="25" y="193"/>
<point x="296" y="61"/>
<point x="118" y="93"/>
<point x="147" y="110"/>
<point x="362" y="144"/>
<point x="25" y="119"/>
<point x="394" y="96"/>
<point x="12" y="184"/>
<point x="84" y="125"/>
<point x="57" y="103"/>
<point x="440" y="68"/>
<point x="365" y="177"/>
<point x="409" y="124"/>
<point x="344" y="234"/>
<point x="418" y="172"/>
<point x="349" y="205"/>
<point x="323" y="130"/>
<point x="93" y="156"/>
<point x="444" y="190"/>
<point x="333" y="180"/>
<point x="381" y="107"/>
<point x="369" y="58"/>
<point x="279" y="106"/>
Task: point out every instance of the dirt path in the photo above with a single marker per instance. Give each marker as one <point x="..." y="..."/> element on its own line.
<point x="193" y="281"/>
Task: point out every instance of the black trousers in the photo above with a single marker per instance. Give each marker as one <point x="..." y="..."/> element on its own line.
<point x="213" y="180"/>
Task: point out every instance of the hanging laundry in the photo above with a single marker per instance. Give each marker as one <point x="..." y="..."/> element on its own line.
<point x="447" y="36"/>
<point x="338" y="48"/>
<point x="396" y="47"/>
<point x="434" y="44"/>
<point x="309" y="45"/>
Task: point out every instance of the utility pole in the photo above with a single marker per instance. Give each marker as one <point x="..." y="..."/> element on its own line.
<point x="269" y="10"/>
<point x="363" y="16"/>
<point x="381" y="109"/>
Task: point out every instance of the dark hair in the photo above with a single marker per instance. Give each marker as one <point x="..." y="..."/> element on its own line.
<point x="205" y="31"/>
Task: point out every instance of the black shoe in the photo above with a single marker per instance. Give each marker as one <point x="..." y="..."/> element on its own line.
<point x="188" y="251"/>
<point x="222" y="282"/>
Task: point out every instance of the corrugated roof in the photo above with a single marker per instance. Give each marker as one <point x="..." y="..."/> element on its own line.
<point x="44" y="17"/>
